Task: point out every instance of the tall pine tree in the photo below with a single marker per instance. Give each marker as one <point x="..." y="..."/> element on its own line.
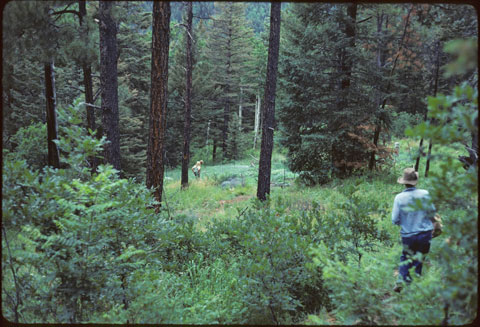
<point x="268" y="112"/>
<point x="158" y="102"/>
<point x="109" y="83"/>
<point x="229" y="52"/>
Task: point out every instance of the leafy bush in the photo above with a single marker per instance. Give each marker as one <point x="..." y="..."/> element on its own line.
<point x="271" y="246"/>
<point x="446" y="293"/>
<point x="27" y="141"/>
<point x="75" y="236"/>
<point x="362" y="294"/>
<point x="454" y="190"/>
<point x="353" y="226"/>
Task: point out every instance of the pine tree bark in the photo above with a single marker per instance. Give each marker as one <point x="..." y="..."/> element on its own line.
<point x="265" y="164"/>
<point x="158" y="101"/>
<point x="380" y="64"/>
<point x="427" y="166"/>
<point x="214" y="150"/>
<point x="87" y="83"/>
<point x="109" y="83"/>
<point x="435" y="88"/>
<point x="347" y="62"/>
<point x="52" y="127"/>
<point x="226" y="119"/>
<point x="188" y="98"/>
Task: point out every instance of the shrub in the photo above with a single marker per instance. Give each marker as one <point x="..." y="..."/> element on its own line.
<point x="76" y="236"/>
<point x="271" y="245"/>
<point x="27" y="141"/>
<point x="362" y="294"/>
<point x="446" y="293"/>
<point x="401" y="121"/>
<point x="454" y="191"/>
<point x="353" y="226"/>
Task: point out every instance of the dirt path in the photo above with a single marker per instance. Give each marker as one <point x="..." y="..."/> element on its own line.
<point x="237" y="199"/>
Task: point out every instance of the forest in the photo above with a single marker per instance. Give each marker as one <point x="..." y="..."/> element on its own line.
<point x="236" y="162"/>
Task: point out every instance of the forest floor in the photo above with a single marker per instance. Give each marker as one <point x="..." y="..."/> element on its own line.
<point x="206" y="200"/>
<point x="210" y="197"/>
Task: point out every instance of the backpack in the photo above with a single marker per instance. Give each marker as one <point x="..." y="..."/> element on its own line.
<point x="437" y="225"/>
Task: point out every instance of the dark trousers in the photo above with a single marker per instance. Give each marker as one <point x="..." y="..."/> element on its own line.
<point x="411" y="246"/>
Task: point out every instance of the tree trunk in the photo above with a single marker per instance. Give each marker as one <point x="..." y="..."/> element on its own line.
<point x="208" y="134"/>
<point x="109" y="83"/>
<point x="240" y="111"/>
<point x="380" y="64"/>
<point x="435" y="88"/>
<point x="427" y="166"/>
<point x="87" y="83"/>
<point x="350" y="34"/>
<point x="188" y="99"/>
<point x="226" y="110"/>
<point x="158" y="94"/>
<point x="420" y="146"/>
<point x="257" y="122"/>
<point x="265" y="163"/>
<point x="378" y="127"/>
<point x="214" y="150"/>
<point x="339" y="154"/>
<point x="52" y="128"/>
<point x="226" y="116"/>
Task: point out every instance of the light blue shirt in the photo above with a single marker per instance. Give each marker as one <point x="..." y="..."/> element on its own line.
<point x="412" y="210"/>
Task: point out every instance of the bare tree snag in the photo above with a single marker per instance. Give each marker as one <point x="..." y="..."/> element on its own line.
<point x="52" y="127"/>
<point x="188" y="98"/>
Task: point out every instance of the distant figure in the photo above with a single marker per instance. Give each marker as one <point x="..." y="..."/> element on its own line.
<point x="416" y="224"/>
<point x="396" y="148"/>
<point x="197" y="168"/>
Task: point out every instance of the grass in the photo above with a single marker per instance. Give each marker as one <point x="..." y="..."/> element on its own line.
<point x="206" y="200"/>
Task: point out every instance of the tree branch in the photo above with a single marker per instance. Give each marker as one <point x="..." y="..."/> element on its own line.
<point x="61" y="12"/>
<point x="364" y="20"/>
<point x="77" y="88"/>
<point x="186" y="28"/>
<point x="97" y="94"/>
<point x="91" y="105"/>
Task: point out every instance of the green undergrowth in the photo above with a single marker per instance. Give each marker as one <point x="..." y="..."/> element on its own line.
<point x="352" y="225"/>
<point x="78" y="247"/>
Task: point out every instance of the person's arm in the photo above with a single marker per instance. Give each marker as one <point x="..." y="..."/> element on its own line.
<point x="431" y="210"/>
<point x="396" y="212"/>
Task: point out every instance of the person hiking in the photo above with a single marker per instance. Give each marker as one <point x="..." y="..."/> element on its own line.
<point x="196" y="168"/>
<point x="416" y="224"/>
